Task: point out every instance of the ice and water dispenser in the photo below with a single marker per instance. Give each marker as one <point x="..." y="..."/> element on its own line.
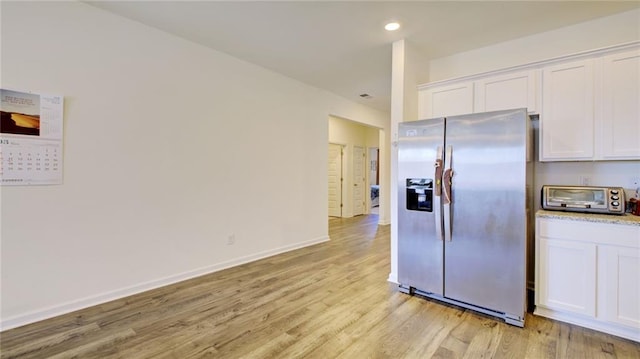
<point x="419" y="194"/>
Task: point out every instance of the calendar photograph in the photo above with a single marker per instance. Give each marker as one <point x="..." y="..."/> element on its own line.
<point x="20" y="113"/>
<point x="30" y="138"/>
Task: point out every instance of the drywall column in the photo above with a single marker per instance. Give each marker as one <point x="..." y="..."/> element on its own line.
<point x="404" y="107"/>
<point x="397" y="110"/>
<point x="384" y="210"/>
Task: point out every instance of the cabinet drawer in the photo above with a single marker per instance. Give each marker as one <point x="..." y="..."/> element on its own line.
<point x="567" y="229"/>
<point x="583" y="231"/>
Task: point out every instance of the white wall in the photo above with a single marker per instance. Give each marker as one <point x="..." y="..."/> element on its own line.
<point x="595" y="34"/>
<point x="350" y="134"/>
<point x="608" y="173"/>
<point x="169" y="148"/>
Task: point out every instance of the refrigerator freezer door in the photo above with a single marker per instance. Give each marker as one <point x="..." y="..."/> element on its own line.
<point x="420" y="256"/>
<point x="485" y="259"/>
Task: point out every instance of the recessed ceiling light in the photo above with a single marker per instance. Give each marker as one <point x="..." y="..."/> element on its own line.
<point x="392" y="26"/>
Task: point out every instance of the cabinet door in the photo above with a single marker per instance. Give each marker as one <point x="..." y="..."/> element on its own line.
<point x="567" y="276"/>
<point x="620" y="118"/>
<point x="567" y="120"/>
<point x="447" y="100"/>
<point x="516" y="90"/>
<point x="620" y="284"/>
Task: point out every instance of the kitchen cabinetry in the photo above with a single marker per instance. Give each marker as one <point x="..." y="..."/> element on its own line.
<point x="492" y="93"/>
<point x="567" y="119"/>
<point x="621" y="284"/>
<point x="591" y="109"/>
<point x="567" y="276"/>
<point x="588" y="273"/>
<point x="507" y="91"/>
<point x="589" y="103"/>
<point x="620" y="117"/>
<point x="450" y="100"/>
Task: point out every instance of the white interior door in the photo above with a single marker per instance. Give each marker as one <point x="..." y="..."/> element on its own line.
<point x="359" y="184"/>
<point x="335" y="180"/>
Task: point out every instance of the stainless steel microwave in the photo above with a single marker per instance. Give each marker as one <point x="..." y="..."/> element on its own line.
<point x="584" y="199"/>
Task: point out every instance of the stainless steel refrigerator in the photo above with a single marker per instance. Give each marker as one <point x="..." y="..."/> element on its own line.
<point x="464" y="192"/>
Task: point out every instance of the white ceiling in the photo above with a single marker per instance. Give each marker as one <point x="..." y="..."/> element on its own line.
<point x="342" y="46"/>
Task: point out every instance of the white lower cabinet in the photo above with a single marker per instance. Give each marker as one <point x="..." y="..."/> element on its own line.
<point x="621" y="284"/>
<point x="567" y="276"/>
<point x="589" y="274"/>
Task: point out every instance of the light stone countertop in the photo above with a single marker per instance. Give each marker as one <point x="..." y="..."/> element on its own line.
<point x="626" y="219"/>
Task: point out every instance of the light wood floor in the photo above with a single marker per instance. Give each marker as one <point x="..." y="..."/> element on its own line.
<point x="330" y="300"/>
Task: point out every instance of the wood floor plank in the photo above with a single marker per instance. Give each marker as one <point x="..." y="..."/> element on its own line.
<point x="350" y="316"/>
<point x="543" y="338"/>
<point x="513" y="343"/>
<point x="84" y="350"/>
<point x="355" y="332"/>
<point x="439" y="324"/>
<point x="330" y="300"/>
<point x="41" y="344"/>
<point x="485" y="342"/>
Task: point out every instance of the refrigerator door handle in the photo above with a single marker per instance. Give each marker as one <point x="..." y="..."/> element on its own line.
<point x="437" y="190"/>
<point x="438" y="172"/>
<point x="446" y="200"/>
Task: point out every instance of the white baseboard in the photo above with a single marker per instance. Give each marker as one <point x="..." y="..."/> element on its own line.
<point x="393" y="278"/>
<point x="591" y="323"/>
<point x="68" y="307"/>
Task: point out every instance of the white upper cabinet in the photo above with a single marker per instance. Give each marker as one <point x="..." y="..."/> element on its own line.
<point x="620" y="116"/>
<point x="501" y="92"/>
<point x="589" y="103"/>
<point x="450" y="100"/>
<point x="504" y="92"/>
<point x="567" y="120"/>
<point x="591" y="109"/>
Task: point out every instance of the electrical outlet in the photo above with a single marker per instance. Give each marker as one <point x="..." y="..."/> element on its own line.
<point x="231" y="239"/>
<point x="585" y="180"/>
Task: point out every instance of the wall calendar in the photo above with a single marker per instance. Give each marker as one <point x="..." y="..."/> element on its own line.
<point x="30" y="138"/>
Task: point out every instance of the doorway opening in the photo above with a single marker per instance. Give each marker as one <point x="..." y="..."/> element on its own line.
<point x="335" y="180"/>
<point x="374" y="178"/>
<point x="353" y="168"/>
